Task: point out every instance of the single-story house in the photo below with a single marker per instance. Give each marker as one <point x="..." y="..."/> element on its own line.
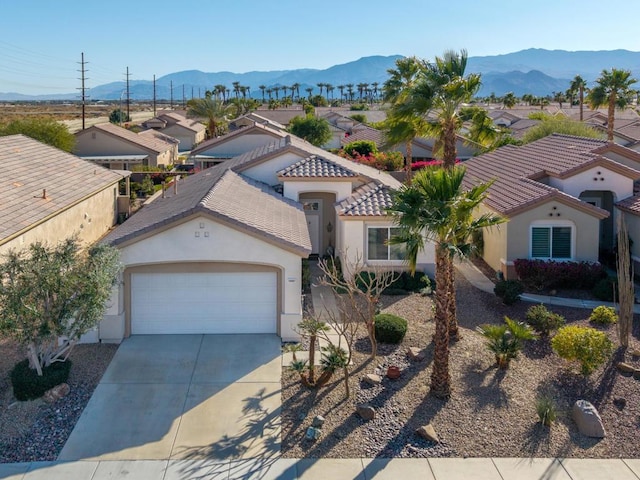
<point x="559" y="195"/>
<point x="117" y="148"/>
<point x="221" y="251"/>
<point x="187" y="131"/>
<point x="234" y="143"/>
<point x="251" y="119"/>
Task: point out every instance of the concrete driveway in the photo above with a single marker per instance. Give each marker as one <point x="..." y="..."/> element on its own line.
<point x="184" y="397"/>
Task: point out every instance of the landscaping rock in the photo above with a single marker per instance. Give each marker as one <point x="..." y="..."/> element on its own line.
<point x="313" y="433"/>
<point x="56" y="393"/>
<point x="625" y="367"/>
<point x="366" y="411"/>
<point x="393" y="372"/>
<point x="636" y="374"/>
<point x="619" y="403"/>
<point x="373" y="379"/>
<point x="318" y="421"/>
<point x="416" y="353"/>
<point x="428" y="433"/>
<point x="635" y="353"/>
<point x="588" y="419"/>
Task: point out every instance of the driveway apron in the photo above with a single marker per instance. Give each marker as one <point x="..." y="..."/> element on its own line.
<point x="184" y="397"/>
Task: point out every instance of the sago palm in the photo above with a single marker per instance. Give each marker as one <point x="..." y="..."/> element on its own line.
<point x="435" y="208"/>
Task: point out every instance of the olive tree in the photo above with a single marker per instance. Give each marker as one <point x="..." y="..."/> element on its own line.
<point x="51" y="295"/>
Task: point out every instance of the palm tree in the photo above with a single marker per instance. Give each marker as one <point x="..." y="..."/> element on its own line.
<point x="341" y="88"/>
<point x="276" y="90"/>
<point x="350" y="91"/>
<point x="295" y="88"/>
<point x="434" y="208"/>
<point x="614" y="90"/>
<point x="236" y="88"/>
<point x="320" y="86"/>
<point x="214" y="110"/>
<point x="262" y="89"/>
<point x="399" y="127"/>
<point x="375" y="89"/>
<point x="309" y="91"/>
<point x="578" y="84"/>
<point x="329" y="88"/>
<point x="509" y="100"/>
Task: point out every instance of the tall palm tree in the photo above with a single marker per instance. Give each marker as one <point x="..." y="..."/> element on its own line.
<point x="375" y="89"/>
<point x="435" y="208"/>
<point x="509" y="100"/>
<point x="614" y="90"/>
<point x="329" y="88"/>
<point x="341" y="88"/>
<point x="350" y="91"/>
<point x="320" y="86"/>
<point x="262" y="89"/>
<point x="295" y="88"/>
<point x="309" y="91"/>
<point x="400" y="127"/>
<point x="214" y="110"/>
<point x="236" y="88"/>
<point x="578" y="84"/>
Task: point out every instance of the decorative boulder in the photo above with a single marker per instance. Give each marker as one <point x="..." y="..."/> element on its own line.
<point x="318" y="421"/>
<point x="625" y="367"/>
<point x="428" y="433"/>
<point x="366" y="411"/>
<point x="415" y="353"/>
<point x="313" y="433"/>
<point x="56" y="393"/>
<point x="588" y="419"/>
<point x="372" y="379"/>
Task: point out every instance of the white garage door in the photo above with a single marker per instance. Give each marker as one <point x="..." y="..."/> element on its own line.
<point x="203" y="302"/>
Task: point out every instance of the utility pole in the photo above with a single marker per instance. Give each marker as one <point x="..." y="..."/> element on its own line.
<point x="183" y="97"/>
<point x="128" y="98"/>
<point x="83" y="90"/>
<point x="154" y="95"/>
<point x="171" y="95"/>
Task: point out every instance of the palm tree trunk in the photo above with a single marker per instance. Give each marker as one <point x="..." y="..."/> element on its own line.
<point x="581" y="100"/>
<point x="312" y="359"/>
<point x="449" y="150"/>
<point x="440" y="377"/>
<point x="611" y="116"/>
<point x="454" y="332"/>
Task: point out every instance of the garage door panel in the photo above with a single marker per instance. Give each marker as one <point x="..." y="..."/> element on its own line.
<point x="235" y="302"/>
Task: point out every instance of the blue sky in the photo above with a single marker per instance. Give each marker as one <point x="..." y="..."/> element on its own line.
<point x="41" y="40"/>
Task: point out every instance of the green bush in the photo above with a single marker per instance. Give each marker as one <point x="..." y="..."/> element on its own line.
<point x="546" y="409"/>
<point x="390" y="328"/>
<point x="306" y="275"/>
<point x="542" y="320"/>
<point x="509" y="291"/>
<point x="27" y="385"/>
<point x="506" y="340"/>
<point x="362" y="147"/>
<point x="604" y="289"/>
<point x="603" y="315"/>
<point x="404" y="284"/>
<point x="586" y="345"/>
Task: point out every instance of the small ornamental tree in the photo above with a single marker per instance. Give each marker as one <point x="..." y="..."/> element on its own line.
<point x="119" y="117"/>
<point x="51" y="295"/>
<point x="313" y="129"/>
<point x="45" y="130"/>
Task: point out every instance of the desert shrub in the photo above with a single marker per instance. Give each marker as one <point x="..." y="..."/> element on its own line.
<point x="605" y="289"/>
<point x="28" y="385"/>
<point x="390" y="328"/>
<point x="359" y="117"/>
<point x="546" y="410"/>
<point x="509" y="291"/>
<point x="362" y="147"/>
<point x="543" y="274"/>
<point x="542" y="320"/>
<point x="405" y="282"/>
<point x="359" y="107"/>
<point x="603" y="315"/>
<point x="506" y="340"/>
<point x="590" y="347"/>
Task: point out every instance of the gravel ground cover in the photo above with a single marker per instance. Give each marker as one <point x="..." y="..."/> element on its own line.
<point x="35" y="430"/>
<point x="491" y="412"/>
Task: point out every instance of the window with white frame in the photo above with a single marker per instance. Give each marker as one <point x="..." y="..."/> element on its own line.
<point x="378" y="247"/>
<point x="551" y="241"/>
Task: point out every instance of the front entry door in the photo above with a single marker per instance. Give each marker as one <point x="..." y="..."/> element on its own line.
<point x="313" y="214"/>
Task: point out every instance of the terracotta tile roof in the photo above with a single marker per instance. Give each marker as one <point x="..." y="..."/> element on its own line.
<point x="370" y="200"/>
<point x="255" y="128"/>
<point x="159" y="135"/>
<point x="34" y="167"/>
<point x="149" y="142"/>
<point x="516" y="171"/>
<point x="367" y="133"/>
<point x="316" y="167"/>
<point x="282" y="116"/>
<point x="631" y="204"/>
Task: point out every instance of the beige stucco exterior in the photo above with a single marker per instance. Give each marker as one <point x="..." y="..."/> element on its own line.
<point x="95" y="143"/>
<point x="202" y="242"/>
<point x="188" y="138"/>
<point x="90" y="218"/>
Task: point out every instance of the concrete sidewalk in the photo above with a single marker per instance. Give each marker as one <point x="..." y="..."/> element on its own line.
<point x="332" y="469"/>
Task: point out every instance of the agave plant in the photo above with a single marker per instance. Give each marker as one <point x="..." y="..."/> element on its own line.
<point x="505" y="341"/>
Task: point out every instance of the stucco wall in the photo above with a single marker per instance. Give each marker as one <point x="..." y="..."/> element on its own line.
<point x="352" y="245"/>
<point x="202" y="240"/>
<point x="494" y="251"/>
<point x="240" y="144"/>
<point x="267" y="171"/>
<point x="293" y="189"/>
<point x="90" y="219"/>
<point x="586" y="231"/>
<point x="328" y="215"/>
<point x="596" y="178"/>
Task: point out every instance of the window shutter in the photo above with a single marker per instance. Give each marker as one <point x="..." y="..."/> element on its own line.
<point x="540" y="242"/>
<point x="561" y="242"/>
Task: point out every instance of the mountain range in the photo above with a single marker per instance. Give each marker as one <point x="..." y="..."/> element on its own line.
<point x="535" y="71"/>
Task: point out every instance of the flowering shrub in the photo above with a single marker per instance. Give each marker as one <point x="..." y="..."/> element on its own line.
<point x="389" y="161"/>
<point x="428" y="163"/>
<point x="543" y="274"/>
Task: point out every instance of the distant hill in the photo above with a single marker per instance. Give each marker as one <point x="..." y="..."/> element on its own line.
<point x="535" y="71"/>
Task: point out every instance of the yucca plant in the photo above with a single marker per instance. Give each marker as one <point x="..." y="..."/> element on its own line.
<point x="505" y="341"/>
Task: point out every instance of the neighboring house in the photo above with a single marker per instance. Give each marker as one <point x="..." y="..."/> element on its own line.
<point x="49" y="195"/>
<point x="281" y="116"/>
<point x="187" y="131"/>
<point x="234" y="143"/>
<point x="559" y="196"/>
<point x="253" y="118"/>
<point x="221" y="253"/>
<point x="117" y="148"/>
